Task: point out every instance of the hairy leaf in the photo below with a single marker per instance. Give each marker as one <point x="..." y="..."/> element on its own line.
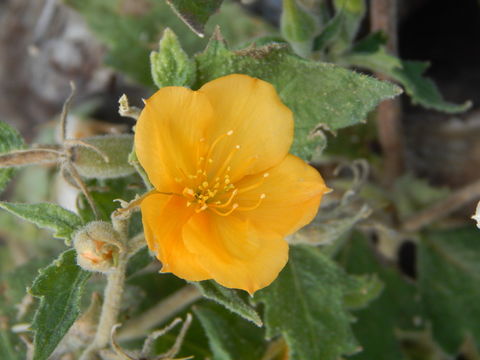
<point x="298" y="27"/>
<point x="371" y="54"/>
<point x="353" y="12"/>
<point x="10" y="140"/>
<point x="47" y="215"/>
<point x="195" y="13"/>
<point x="449" y="278"/>
<point x="59" y="286"/>
<point x="171" y="66"/>
<point x="320" y="95"/>
<point x="397" y="308"/>
<point x="229" y="298"/>
<point x="306" y="304"/>
<point x="230" y="336"/>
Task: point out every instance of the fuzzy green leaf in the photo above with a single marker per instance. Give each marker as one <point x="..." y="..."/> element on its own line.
<point x="353" y="12"/>
<point x="195" y="13"/>
<point x="298" y="27"/>
<point x="371" y="54"/>
<point x="306" y="305"/>
<point x="320" y="95"/>
<point x="230" y="337"/>
<point x="10" y="140"/>
<point x="46" y="215"/>
<point x="130" y="29"/>
<point x="60" y="287"/>
<point x="397" y="307"/>
<point x="229" y="298"/>
<point x="449" y="278"/>
<point x="171" y="66"/>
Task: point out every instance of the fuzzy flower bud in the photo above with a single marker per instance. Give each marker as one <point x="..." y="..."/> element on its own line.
<point x="97" y="246"/>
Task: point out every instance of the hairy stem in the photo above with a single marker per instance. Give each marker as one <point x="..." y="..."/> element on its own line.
<point x="110" y="309"/>
<point x="112" y="295"/>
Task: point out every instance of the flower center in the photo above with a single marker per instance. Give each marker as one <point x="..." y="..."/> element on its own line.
<point x="214" y="190"/>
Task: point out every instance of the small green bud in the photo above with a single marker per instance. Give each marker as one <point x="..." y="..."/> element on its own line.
<point x="171" y="65"/>
<point x="299" y="27"/>
<point x="92" y="163"/>
<point x="97" y="246"/>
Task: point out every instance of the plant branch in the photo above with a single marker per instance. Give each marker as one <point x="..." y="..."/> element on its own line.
<point x="383" y="16"/>
<point x="444" y="207"/>
<point x="159" y="313"/>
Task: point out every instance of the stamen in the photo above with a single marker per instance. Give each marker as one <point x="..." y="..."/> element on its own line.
<point x="199" y="210"/>
<point x="255" y="185"/>
<point x="188" y="192"/>
<point x="227" y="161"/>
<point x="215" y="143"/>
<point x="219" y="205"/>
<point x="234" y="207"/>
<point x="246" y="208"/>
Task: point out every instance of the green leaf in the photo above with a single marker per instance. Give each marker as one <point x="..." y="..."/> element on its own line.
<point x="46" y="215"/>
<point x="449" y="279"/>
<point x="361" y="290"/>
<point x="320" y="95"/>
<point x="229" y="298"/>
<point x="353" y="12"/>
<point x="195" y="13"/>
<point x="397" y="307"/>
<point x="10" y="140"/>
<point x="298" y="27"/>
<point x="171" y="66"/>
<point x="59" y="286"/>
<point x="230" y="337"/>
<point x="305" y="304"/>
<point x="130" y="29"/>
<point x="330" y="32"/>
<point x="423" y="90"/>
<point x="409" y="74"/>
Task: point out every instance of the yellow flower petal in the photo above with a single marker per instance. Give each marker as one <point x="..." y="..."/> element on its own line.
<point x="262" y="125"/>
<point x="163" y="218"/>
<point x="170" y="134"/>
<point x="292" y="194"/>
<point x="234" y="253"/>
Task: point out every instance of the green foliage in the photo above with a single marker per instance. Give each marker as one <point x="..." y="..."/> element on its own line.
<point x="132" y="28"/>
<point x="449" y="280"/>
<point x="171" y="65"/>
<point x="230" y="337"/>
<point x="298" y="26"/>
<point x="104" y="193"/>
<point x="396" y="308"/>
<point x="195" y="13"/>
<point x="116" y="148"/>
<point x="371" y="54"/>
<point x="353" y="12"/>
<point x="344" y="97"/>
<point x="306" y="304"/>
<point x="59" y="286"/>
<point x="46" y="215"/>
<point x="229" y="298"/>
<point x="10" y="140"/>
<point x="14" y="284"/>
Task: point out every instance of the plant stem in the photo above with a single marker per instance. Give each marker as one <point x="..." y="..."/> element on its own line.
<point x="112" y="295"/>
<point x="159" y="313"/>
<point x="443" y="208"/>
<point x="110" y="309"/>
<point x="383" y="16"/>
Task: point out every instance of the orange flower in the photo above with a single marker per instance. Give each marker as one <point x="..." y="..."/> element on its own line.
<point x="227" y="191"/>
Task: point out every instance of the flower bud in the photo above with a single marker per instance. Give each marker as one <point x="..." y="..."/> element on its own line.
<point x="115" y="148"/>
<point x="97" y="246"/>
